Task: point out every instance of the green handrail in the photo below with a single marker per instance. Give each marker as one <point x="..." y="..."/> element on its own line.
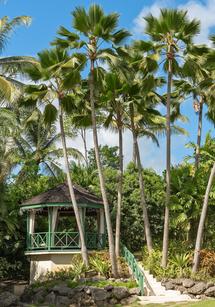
<point x="135" y="268"/>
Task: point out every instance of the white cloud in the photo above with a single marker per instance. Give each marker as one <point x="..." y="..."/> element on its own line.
<point x="205" y="12"/>
<point x="154" y="9"/>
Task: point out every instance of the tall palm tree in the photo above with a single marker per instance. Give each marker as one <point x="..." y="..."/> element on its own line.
<point x="114" y="117"/>
<point x="61" y="74"/>
<point x="172" y="32"/>
<point x="96" y="28"/>
<point x="144" y="121"/>
<point x="210" y="64"/>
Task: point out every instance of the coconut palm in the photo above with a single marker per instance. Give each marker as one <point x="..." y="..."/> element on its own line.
<point x="96" y="28"/>
<point x="61" y="75"/>
<point x="172" y="31"/>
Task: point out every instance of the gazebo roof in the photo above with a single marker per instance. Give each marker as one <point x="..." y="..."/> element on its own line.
<point x="59" y="196"/>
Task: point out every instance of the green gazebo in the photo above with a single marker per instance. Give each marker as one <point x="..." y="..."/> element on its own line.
<point x="52" y="235"/>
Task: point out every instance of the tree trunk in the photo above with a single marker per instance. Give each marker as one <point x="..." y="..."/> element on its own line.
<point x="198" y="144"/>
<point x="134" y="158"/>
<point x="119" y="198"/>
<point x="83" y="136"/>
<point x="168" y="162"/>
<point x="141" y="184"/>
<point x="71" y="191"/>
<point x="101" y="175"/>
<point x="202" y="222"/>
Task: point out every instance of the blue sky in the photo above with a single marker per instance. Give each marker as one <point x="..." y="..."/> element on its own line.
<point x="47" y="15"/>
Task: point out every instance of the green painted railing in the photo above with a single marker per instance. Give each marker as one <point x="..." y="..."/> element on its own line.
<point x="64" y="240"/>
<point x="135" y="268"/>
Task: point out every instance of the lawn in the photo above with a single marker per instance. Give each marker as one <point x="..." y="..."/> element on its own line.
<point x="206" y="303"/>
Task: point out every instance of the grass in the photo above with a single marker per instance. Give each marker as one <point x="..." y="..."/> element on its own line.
<point x="102" y="283"/>
<point x="205" y="303"/>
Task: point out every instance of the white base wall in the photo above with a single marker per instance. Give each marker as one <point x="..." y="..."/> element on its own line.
<point x="41" y="264"/>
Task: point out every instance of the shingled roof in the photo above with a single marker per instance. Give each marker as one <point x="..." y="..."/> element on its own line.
<point x="60" y="194"/>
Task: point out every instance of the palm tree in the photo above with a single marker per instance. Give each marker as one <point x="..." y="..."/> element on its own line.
<point x="172" y="32"/>
<point x="210" y="64"/>
<point x="13" y="65"/>
<point x="195" y="81"/>
<point x="199" y="236"/>
<point x="61" y="74"/>
<point x="114" y="117"/>
<point x="96" y="28"/>
<point x="144" y="121"/>
<point x="37" y="143"/>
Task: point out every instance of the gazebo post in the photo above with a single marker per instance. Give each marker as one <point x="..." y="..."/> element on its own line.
<point x="50" y="227"/>
<point x="30" y="226"/>
<point x="54" y="217"/>
<point x="31" y="221"/>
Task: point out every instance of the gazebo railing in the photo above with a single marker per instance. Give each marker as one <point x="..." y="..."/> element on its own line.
<point x="64" y="241"/>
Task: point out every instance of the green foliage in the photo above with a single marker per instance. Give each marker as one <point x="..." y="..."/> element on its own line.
<point x="132" y="215"/>
<point x="10" y="270"/>
<point x="179" y="265"/>
<point x="101" y="266"/>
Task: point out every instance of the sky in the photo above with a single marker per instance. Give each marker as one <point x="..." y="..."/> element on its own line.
<point x="48" y="15"/>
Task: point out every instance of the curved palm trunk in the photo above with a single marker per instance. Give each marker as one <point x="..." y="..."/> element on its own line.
<point x="119" y="198"/>
<point x="202" y="222"/>
<point x="142" y="188"/>
<point x="71" y="191"/>
<point x="199" y="134"/>
<point x="101" y="175"/>
<point x="168" y="163"/>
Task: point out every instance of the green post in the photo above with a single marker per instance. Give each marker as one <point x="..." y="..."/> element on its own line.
<point x="27" y="230"/>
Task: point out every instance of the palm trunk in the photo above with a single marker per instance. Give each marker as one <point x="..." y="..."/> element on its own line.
<point x="101" y="175"/>
<point x="198" y="144"/>
<point x="134" y="158"/>
<point x="83" y="136"/>
<point x="141" y="184"/>
<point x="119" y="198"/>
<point x="168" y="163"/>
<point x="202" y="222"/>
<point x="71" y="191"/>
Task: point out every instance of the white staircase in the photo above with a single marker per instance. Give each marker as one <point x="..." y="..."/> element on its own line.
<point x="156" y="293"/>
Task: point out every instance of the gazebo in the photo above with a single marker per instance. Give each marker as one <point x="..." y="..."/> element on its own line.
<point x="52" y="234"/>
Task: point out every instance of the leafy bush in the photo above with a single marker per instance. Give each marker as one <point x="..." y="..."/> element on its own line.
<point x="9" y="270"/>
<point x="101" y="266"/>
<point x="207" y="261"/>
<point x="76" y="271"/>
<point x="181" y="263"/>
